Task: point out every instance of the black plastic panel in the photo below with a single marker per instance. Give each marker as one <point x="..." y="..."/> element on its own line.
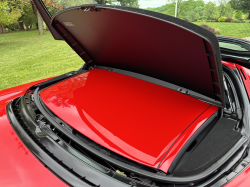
<point x="148" y="43"/>
<point x="216" y="144"/>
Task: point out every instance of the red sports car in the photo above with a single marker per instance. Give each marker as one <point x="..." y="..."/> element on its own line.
<point x="153" y="105"/>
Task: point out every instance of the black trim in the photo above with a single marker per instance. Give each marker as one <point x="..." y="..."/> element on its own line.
<point x="154" y="176"/>
<point x="164" y="84"/>
<point x="57" y="79"/>
<point x="238" y="57"/>
<point x="53" y="156"/>
<point x="191" y="140"/>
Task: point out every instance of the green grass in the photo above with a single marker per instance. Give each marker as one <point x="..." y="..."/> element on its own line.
<point x="27" y="56"/>
<point x="239" y="30"/>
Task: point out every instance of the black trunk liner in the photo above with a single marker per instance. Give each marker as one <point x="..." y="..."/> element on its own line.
<point x="218" y="142"/>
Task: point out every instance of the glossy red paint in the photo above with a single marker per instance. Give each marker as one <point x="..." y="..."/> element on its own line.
<point x="242" y="180"/>
<point x="11" y="93"/>
<point x="131" y="117"/>
<point x="245" y="74"/>
<point x="18" y="165"/>
<point x="229" y="64"/>
<point x="184" y="137"/>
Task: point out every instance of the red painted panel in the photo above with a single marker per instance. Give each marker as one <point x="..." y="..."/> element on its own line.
<point x="184" y="137"/>
<point x="245" y="74"/>
<point x="11" y="93"/>
<point x="18" y="165"/>
<point x="131" y="117"/>
<point x="229" y="64"/>
<point x="242" y="180"/>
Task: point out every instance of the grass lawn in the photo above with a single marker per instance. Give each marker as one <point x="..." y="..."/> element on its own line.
<point x="239" y="30"/>
<point x="26" y="57"/>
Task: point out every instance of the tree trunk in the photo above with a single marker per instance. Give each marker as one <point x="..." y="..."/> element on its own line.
<point x="40" y="23"/>
<point x="2" y="29"/>
<point x="21" y="25"/>
<point x="248" y="15"/>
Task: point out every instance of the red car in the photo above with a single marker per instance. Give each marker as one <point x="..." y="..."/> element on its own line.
<point x="153" y="105"/>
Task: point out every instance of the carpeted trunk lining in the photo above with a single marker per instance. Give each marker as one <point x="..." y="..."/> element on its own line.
<point x="218" y="142"/>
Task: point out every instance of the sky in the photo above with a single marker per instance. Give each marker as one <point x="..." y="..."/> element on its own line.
<point x="156" y="3"/>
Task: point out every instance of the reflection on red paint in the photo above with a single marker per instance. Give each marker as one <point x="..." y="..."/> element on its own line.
<point x="131" y="117"/>
<point x="19" y="143"/>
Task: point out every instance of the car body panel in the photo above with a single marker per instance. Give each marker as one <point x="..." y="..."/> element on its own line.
<point x="245" y="75"/>
<point x="184" y="137"/>
<point x="152" y="116"/>
<point x="11" y="93"/>
<point x="242" y="180"/>
<point x="19" y="166"/>
<point x="229" y="64"/>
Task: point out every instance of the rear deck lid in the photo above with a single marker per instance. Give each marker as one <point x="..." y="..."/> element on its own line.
<point x="134" y="118"/>
<point x="145" y="42"/>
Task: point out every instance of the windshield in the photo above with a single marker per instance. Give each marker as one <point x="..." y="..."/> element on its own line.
<point x="222" y="17"/>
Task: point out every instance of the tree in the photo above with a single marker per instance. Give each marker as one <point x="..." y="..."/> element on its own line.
<point x="128" y="3"/>
<point x="243" y="5"/>
<point x="229" y="12"/>
<point x="222" y="8"/>
<point x="48" y="3"/>
<point x="238" y="14"/>
<point x="182" y="7"/>
<point x="28" y="17"/>
<point x="197" y="16"/>
<point x="59" y="4"/>
<point x="9" y="14"/>
<point x="209" y="10"/>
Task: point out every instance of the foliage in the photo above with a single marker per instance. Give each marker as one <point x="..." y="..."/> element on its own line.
<point x="182" y="7"/>
<point x="228" y="20"/>
<point x="207" y="27"/>
<point x="243" y="5"/>
<point x="222" y="19"/>
<point x="238" y="14"/>
<point x="129" y="3"/>
<point x="9" y="13"/>
<point x="236" y="21"/>
<point x="209" y="10"/>
<point x="28" y="16"/>
<point x="55" y="4"/>
<point x="12" y="27"/>
<point x="197" y="16"/>
<point x="229" y="11"/>
<point x="217" y="31"/>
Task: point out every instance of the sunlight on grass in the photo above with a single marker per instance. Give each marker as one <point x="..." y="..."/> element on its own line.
<point x="239" y="30"/>
<point x="27" y="56"/>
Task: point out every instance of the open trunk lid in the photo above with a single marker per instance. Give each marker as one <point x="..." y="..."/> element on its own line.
<point x="145" y="42"/>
